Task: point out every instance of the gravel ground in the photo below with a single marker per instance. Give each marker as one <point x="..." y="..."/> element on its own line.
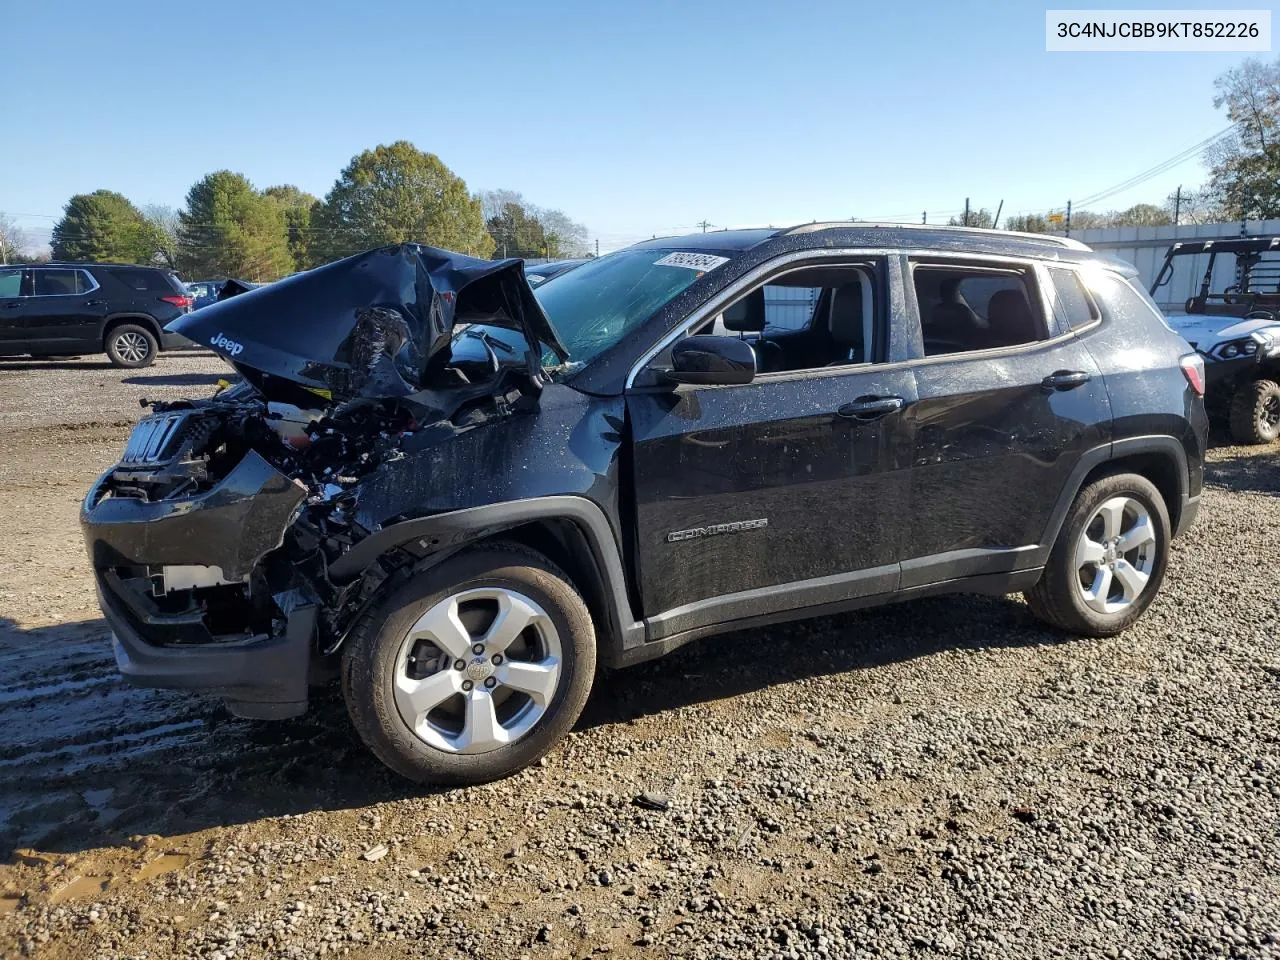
<point x="941" y="778"/>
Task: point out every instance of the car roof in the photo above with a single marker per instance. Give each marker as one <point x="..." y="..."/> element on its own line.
<point x="861" y="233"/>
<point x="91" y="263"/>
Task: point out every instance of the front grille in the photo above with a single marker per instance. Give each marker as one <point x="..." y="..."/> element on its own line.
<point x="154" y="438"/>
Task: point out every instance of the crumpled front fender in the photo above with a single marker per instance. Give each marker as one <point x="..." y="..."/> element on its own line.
<point x="232" y="526"/>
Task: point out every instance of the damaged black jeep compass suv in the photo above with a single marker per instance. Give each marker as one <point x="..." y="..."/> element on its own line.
<point x="463" y="498"/>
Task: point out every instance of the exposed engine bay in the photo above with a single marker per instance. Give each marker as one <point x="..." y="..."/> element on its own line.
<point x="225" y="513"/>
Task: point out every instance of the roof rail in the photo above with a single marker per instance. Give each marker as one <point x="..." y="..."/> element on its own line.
<point x="1066" y="242"/>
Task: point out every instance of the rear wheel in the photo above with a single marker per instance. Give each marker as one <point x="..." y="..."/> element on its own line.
<point x="1109" y="560"/>
<point x="471" y="670"/>
<point x="1255" y="412"/>
<point x="130" y="345"/>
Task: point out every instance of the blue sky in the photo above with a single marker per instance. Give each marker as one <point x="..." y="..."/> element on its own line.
<point x="634" y="118"/>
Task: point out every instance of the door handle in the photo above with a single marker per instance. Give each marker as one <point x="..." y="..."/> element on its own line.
<point x="1065" y="380"/>
<point x="94" y="303"/>
<point x="14" y="305"/>
<point x="871" y="408"/>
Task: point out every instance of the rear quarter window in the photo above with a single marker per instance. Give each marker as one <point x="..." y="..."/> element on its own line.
<point x="1122" y="302"/>
<point x="1072" y="305"/>
<point x="145" y="281"/>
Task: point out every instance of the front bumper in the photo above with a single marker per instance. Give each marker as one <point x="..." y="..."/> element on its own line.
<point x="159" y="643"/>
<point x="259" y="676"/>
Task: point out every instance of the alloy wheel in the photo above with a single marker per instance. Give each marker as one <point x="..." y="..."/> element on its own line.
<point x="478" y="670"/>
<point x="132" y="347"/>
<point x="1116" y="555"/>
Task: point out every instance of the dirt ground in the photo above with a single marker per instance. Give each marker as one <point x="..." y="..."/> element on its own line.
<point x="942" y="778"/>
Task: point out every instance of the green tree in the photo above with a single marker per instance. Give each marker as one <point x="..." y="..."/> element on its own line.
<point x="977" y="218"/>
<point x="560" y="236"/>
<point x="104" y="226"/>
<point x="1027" y="223"/>
<point x="517" y="233"/>
<point x="298" y="207"/>
<point x="398" y="194"/>
<point x="1139" y="215"/>
<point x="230" y="229"/>
<point x="1244" y="168"/>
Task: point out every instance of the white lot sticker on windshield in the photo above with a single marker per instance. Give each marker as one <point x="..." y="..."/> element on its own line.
<point x="692" y="261"/>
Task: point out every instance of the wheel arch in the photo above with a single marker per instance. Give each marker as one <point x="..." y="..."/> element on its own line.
<point x="1160" y="459"/>
<point x="570" y="531"/>
<point x="118" y="319"/>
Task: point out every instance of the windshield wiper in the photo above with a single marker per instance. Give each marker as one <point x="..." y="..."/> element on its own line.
<point x="489" y="340"/>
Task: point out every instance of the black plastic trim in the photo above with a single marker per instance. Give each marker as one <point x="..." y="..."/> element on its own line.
<point x="475" y="523"/>
<point x="261" y="676"/>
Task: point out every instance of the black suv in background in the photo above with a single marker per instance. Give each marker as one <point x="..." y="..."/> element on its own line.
<point x="70" y="309"/>
<point x="690" y="436"/>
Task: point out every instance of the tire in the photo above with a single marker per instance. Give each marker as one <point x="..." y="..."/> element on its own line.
<point x="1255" y="412"/>
<point x="131" y="345"/>
<point x="382" y="664"/>
<point x="1061" y="597"/>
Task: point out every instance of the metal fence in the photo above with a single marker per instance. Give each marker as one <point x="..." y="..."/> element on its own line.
<point x="1145" y="248"/>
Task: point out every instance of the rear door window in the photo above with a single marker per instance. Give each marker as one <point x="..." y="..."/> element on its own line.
<point x="54" y="282"/>
<point x="964" y="308"/>
<point x="11" y="283"/>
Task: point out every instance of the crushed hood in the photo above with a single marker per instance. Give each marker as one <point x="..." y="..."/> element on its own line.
<point x="367" y="326"/>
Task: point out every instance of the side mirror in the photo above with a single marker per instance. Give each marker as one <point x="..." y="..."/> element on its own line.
<point x="711" y="360"/>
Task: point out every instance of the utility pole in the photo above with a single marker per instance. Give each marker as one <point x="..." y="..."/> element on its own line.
<point x="924" y="216"/>
<point x="1068" y="218"/>
<point x="966" y="211"/>
<point x="1177" y="205"/>
<point x="704" y="224"/>
<point x="995" y="224"/>
<point x="597" y="246"/>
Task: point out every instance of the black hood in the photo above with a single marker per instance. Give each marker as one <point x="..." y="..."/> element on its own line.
<point x="367" y="325"/>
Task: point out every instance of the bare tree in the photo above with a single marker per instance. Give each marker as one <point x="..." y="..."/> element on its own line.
<point x="13" y="240"/>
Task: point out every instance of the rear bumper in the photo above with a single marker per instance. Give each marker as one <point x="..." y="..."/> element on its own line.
<point x="259" y="676"/>
<point x="1187" y="515"/>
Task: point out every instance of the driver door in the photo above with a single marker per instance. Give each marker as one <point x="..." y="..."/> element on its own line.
<point x="786" y="492"/>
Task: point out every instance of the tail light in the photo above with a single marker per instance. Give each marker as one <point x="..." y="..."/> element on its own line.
<point x="1193" y="369"/>
<point x="183" y="303"/>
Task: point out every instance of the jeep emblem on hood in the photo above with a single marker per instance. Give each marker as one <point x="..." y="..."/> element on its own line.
<point x="230" y="346"/>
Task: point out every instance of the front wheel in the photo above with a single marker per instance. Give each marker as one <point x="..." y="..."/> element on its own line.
<point x="1255" y="412"/>
<point x="131" y="345"/>
<point x="1109" y="560"/>
<point x="471" y="670"/>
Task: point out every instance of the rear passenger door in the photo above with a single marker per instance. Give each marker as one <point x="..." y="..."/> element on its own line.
<point x="64" y="312"/>
<point x="13" y="281"/>
<point x="1008" y="401"/>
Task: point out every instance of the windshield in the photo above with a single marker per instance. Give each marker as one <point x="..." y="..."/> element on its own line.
<point x="595" y="305"/>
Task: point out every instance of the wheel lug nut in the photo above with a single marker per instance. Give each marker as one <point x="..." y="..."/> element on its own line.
<point x="459" y="664"/>
<point x="478" y="648"/>
<point x="497" y="659"/>
<point x="467" y="685"/>
<point x="491" y="683"/>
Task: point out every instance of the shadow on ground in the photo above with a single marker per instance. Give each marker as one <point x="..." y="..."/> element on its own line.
<point x="91" y="761"/>
<point x="1254" y="472"/>
<point x="78" y="363"/>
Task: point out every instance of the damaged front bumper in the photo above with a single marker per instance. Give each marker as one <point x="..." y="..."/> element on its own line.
<point x="207" y="637"/>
